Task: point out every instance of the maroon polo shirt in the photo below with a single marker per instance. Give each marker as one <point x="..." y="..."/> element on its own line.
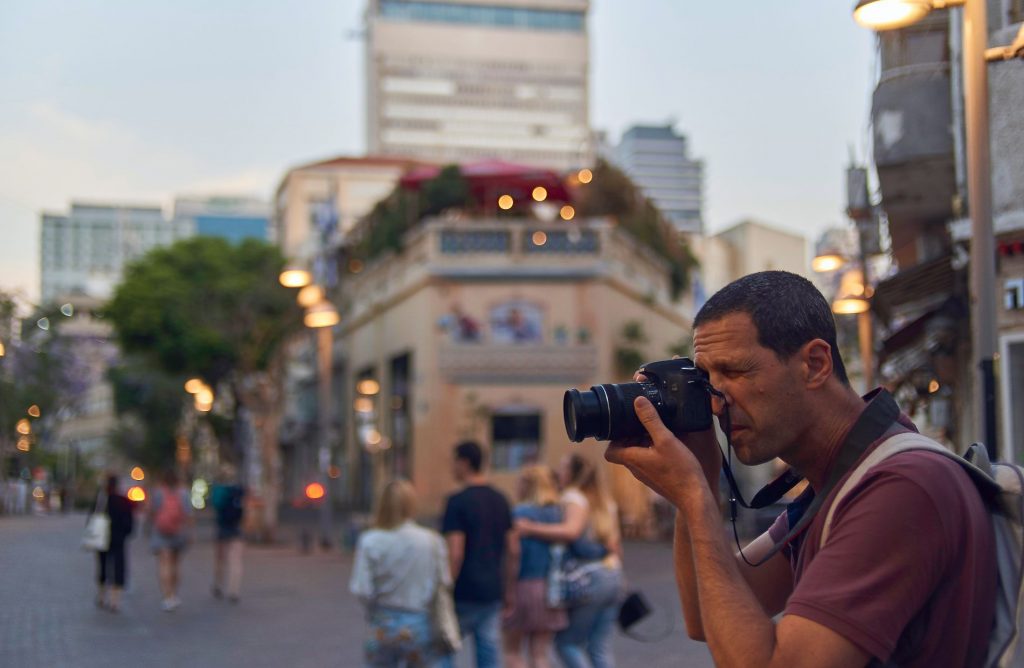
<point x="908" y="573"/>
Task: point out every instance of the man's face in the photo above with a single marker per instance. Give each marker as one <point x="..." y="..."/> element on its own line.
<point x="763" y="393"/>
<point x="459" y="469"/>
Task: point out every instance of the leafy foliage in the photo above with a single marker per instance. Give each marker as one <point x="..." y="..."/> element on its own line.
<point x="205" y="307"/>
<point x="46" y="369"/>
<point x="612" y="193"/>
<point x="149" y="402"/>
<point x="383" y="228"/>
<point x="630" y="354"/>
<point x="202" y="307"/>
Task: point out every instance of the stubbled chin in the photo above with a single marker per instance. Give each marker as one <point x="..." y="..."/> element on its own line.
<point x="745" y="454"/>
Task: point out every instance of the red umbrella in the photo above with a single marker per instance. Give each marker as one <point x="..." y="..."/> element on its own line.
<point x="490" y="178"/>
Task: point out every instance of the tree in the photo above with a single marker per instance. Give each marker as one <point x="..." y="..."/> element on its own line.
<point x="43" y="368"/>
<point x="613" y="193"/>
<point x="210" y="309"/>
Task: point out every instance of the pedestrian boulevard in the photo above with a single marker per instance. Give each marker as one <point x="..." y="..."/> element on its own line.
<point x="295" y="609"/>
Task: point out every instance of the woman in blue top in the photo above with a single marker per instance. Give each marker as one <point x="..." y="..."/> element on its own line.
<point x="590" y="528"/>
<point x="530" y="619"/>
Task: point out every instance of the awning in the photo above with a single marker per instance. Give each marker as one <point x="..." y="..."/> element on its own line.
<point x="487" y="177"/>
<point x="927" y="284"/>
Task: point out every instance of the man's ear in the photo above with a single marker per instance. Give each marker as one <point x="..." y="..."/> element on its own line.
<point x="817" y="363"/>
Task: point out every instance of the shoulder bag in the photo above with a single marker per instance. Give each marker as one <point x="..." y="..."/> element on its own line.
<point x="97" y="527"/>
<point x="443" y="619"/>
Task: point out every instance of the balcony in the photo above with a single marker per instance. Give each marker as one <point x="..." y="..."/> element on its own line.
<point x="529" y="363"/>
<point x="508" y="250"/>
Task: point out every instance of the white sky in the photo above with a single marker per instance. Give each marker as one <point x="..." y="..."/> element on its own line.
<point x="137" y="101"/>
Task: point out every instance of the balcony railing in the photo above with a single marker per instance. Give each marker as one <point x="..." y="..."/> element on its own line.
<point x="527" y="363"/>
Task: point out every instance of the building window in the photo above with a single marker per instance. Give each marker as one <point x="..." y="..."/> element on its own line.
<point x="400" y="414"/>
<point x="474" y="241"/>
<point x="515" y="439"/>
<point x="494" y="17"/>
<point x="572" y="241"/>
<point x="1013" y="395"/>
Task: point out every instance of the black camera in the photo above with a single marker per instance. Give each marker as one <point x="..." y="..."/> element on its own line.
<point x="678" y="390"/>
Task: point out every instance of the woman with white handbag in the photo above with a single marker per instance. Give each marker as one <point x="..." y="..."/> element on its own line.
<point x="401" y="575"/>
<point x="112" y="562"/>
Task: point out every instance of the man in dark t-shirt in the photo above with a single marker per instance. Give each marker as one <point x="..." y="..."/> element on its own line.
<point x="483" y="553"/>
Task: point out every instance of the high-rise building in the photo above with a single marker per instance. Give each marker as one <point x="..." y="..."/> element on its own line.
<point x="452" y="80"/>
<point x="658" y="160"/>
<point x="231" y="218"/>
<point x="86" y="250"/>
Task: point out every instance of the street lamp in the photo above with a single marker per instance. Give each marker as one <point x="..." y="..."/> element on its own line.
<point x="890" y="14"/>
<point x="294" y="276"/>
<point x="322" y="316"/>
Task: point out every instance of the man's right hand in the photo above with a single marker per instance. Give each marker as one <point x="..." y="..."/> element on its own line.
<point x="703" y="444"/>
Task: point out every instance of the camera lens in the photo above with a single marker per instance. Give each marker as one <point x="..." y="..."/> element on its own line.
<point x="583" y="414"/>
<point x="604" y="412"/>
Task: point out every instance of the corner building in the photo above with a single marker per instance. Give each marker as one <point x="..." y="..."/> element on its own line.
<point x="476" y="330"/>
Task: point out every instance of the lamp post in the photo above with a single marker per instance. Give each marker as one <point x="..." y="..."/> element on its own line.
<point x="320" y="316"/>
<point x="852" y="298"/>
<point x="323" y="317"/>
<point x="892" y="14"/>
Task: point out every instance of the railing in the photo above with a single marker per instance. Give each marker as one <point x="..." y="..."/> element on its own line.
<point x="500" y="364"/>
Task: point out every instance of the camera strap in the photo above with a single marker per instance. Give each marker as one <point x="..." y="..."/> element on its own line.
<point x="876" y="419"/>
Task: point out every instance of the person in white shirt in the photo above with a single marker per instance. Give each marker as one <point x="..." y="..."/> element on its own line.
<point x="398" y="567"/>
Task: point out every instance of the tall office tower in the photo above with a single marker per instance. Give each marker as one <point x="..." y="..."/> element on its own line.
<point x="233" y="218"/>
<point x="85" y="251"/>
<point x="658" y="160"/>
<point x="455" y="80"/>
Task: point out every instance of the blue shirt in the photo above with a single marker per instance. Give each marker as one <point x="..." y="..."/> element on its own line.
<point x="535" y="554"/>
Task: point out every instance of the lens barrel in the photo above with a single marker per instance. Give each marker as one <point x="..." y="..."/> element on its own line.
<point x="604" y="412"/>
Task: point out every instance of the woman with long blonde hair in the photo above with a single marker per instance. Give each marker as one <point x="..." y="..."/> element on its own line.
<point x="590" y="528"/>
<point x="398" y="568"/>
<point x="530" y="621"/>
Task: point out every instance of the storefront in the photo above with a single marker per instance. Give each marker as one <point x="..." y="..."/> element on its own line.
<point x="1011" y="347"/>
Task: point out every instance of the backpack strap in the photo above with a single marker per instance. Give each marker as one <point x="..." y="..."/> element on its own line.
<point x="905" y="442"/>
<point x="880" y="415"/>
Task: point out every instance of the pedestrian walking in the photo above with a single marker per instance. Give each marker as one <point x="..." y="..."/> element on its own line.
<point x="591" y="531"/>
<point x="483" y="552"/>
<point x="530" y="621"/>
<point x="170" y="522"/>
<point x="228" y="501"/>
<point x="112" y="564"/>
<point x="398" y="568"/>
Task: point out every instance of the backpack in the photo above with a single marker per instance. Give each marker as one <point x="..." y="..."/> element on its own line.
<point x="1002" y="487"/>
<point x="170" y="516"/>
<point x="228" y="502"/>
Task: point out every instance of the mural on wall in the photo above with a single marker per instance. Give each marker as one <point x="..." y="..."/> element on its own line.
<point x="460" y="327"/>
<point x="517" y="322"/>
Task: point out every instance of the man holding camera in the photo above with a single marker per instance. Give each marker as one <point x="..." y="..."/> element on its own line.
<point x="907" y="573"/>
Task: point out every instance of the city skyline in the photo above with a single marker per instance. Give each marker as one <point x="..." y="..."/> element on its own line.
<point x="127" y="104"/>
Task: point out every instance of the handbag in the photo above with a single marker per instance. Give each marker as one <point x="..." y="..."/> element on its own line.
<point x="635" y="608"/>
<point x="442" y="610"/>
<point x="97" y="528"/>
<point x="570" y="582"/>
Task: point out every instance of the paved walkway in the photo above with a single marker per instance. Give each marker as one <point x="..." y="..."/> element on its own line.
<point x="295" y="609"/>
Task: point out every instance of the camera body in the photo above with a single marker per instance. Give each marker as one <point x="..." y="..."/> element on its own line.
<point x="677" y="389"/>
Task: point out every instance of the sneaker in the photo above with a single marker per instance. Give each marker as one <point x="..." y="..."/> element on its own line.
<point x="170" y="604"/>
